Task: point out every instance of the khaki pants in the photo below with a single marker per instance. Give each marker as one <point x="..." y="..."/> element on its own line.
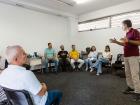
<point x="132" y="72"/>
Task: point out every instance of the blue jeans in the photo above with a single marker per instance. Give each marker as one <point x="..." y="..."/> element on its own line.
<point x="88" y="62"/>
<point x="53" y="61"/>
<point x="54" y="97"/>
<point x="98" y="64"/>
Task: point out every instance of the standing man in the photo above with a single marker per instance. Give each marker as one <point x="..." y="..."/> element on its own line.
<point x="131" y="58"/>
<point x="50" y="55"/>
<point x="74" y="55"/>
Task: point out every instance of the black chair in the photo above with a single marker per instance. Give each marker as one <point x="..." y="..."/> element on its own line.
<point x="76" y="66"/>
<point x="118" y="66"/>
<point x="18" y="97"/>
<point x="108" y="65"/>
<point x="6" y="63"/>
<point x="64" y="65"/>
<point x="84" y="54"/>
<point x="28" y="67"/>
<point x="3" y="97"/>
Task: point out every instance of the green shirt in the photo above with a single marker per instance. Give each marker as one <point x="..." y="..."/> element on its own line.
<point x="49" y="53"/>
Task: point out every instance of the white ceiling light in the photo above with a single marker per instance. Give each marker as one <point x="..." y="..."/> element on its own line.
<point x="81" y="1"/>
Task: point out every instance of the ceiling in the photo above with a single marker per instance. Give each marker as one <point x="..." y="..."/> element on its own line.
<point x="69" y="6"/>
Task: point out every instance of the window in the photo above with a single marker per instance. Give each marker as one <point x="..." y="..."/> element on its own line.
<point x="110" y="21"/>
<point x="96" y="24"/>
<point x="116" y="21"/>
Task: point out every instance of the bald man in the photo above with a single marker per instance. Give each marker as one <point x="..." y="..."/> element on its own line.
<point x="18" y="78"/>
<point x="63" y="57"/>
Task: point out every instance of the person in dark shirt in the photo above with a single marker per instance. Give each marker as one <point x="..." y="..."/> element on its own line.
<point x="62" y="54"/>
<point x="63" y="58"/>
<point x="131" y="58"/>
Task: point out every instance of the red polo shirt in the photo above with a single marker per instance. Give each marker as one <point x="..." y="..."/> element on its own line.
<point x="129" y="49"/>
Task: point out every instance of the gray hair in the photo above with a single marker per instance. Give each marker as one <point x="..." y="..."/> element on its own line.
<point x="12" y="52"/>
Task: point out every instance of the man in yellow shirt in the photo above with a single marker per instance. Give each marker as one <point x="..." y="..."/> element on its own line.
<point x="74" y="56"/>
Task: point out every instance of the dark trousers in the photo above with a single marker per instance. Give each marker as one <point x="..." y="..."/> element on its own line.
<point x="64" y="65"/>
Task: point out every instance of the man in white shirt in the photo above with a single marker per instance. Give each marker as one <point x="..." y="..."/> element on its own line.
<point x="18" y="78"/>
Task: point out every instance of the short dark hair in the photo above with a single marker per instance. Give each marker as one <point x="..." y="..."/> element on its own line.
<point x="73" y="45"/>
<point x="127" y="22"/>
<point x="92" y="47"/>
<point x="107" y="47"/>
<point x="49" y="44"/>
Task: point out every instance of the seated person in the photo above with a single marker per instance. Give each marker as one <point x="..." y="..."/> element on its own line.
<point x="63" y="57"/>
<point x="74" y="56"/>
<point x="92" y="56"/>
<point x="50" y="55"/>
<point x="18" y="78"/>
<point x="105" y="58"/>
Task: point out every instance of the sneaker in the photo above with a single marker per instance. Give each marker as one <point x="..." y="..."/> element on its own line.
<point x="87" y="69"/>
<point x="91" y="69"/>
<point x="136" y="96"/>
<point x="98" y="74"/>
<point x="128" y="91"/>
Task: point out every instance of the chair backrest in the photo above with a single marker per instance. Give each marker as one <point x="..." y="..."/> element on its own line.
<point x="99" y="55"/>
<point x="18" y="97"/>
<point x="88" y="50"/>
<point x="111" y="58"/>
<point x="3" y="97"/>
<point x="6" y="63"/>
<point x="120" y="57"/>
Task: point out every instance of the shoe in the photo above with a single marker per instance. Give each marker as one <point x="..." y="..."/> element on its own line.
<point x="55" y="72"/>
<point x="91" y="69"/>
<point x="78" y="69"/>
<point x="98" y="74"/>
<point x="136" y="97"/>
<point x="87" y="69"/>
<point x="128" y="91"/>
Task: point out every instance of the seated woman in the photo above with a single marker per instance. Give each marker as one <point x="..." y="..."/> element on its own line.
<point x="105" y="58"/>
<point x="92" y="56"/>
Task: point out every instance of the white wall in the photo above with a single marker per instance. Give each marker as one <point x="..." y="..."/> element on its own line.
<point x="100" y="38"/>
<point x="124" y="7"/>
<point x="33" y="30"/>
<point x="30" y="29"/>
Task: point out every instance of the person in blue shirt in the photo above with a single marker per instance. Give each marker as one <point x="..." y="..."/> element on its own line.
<point x="50" y="55"/>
